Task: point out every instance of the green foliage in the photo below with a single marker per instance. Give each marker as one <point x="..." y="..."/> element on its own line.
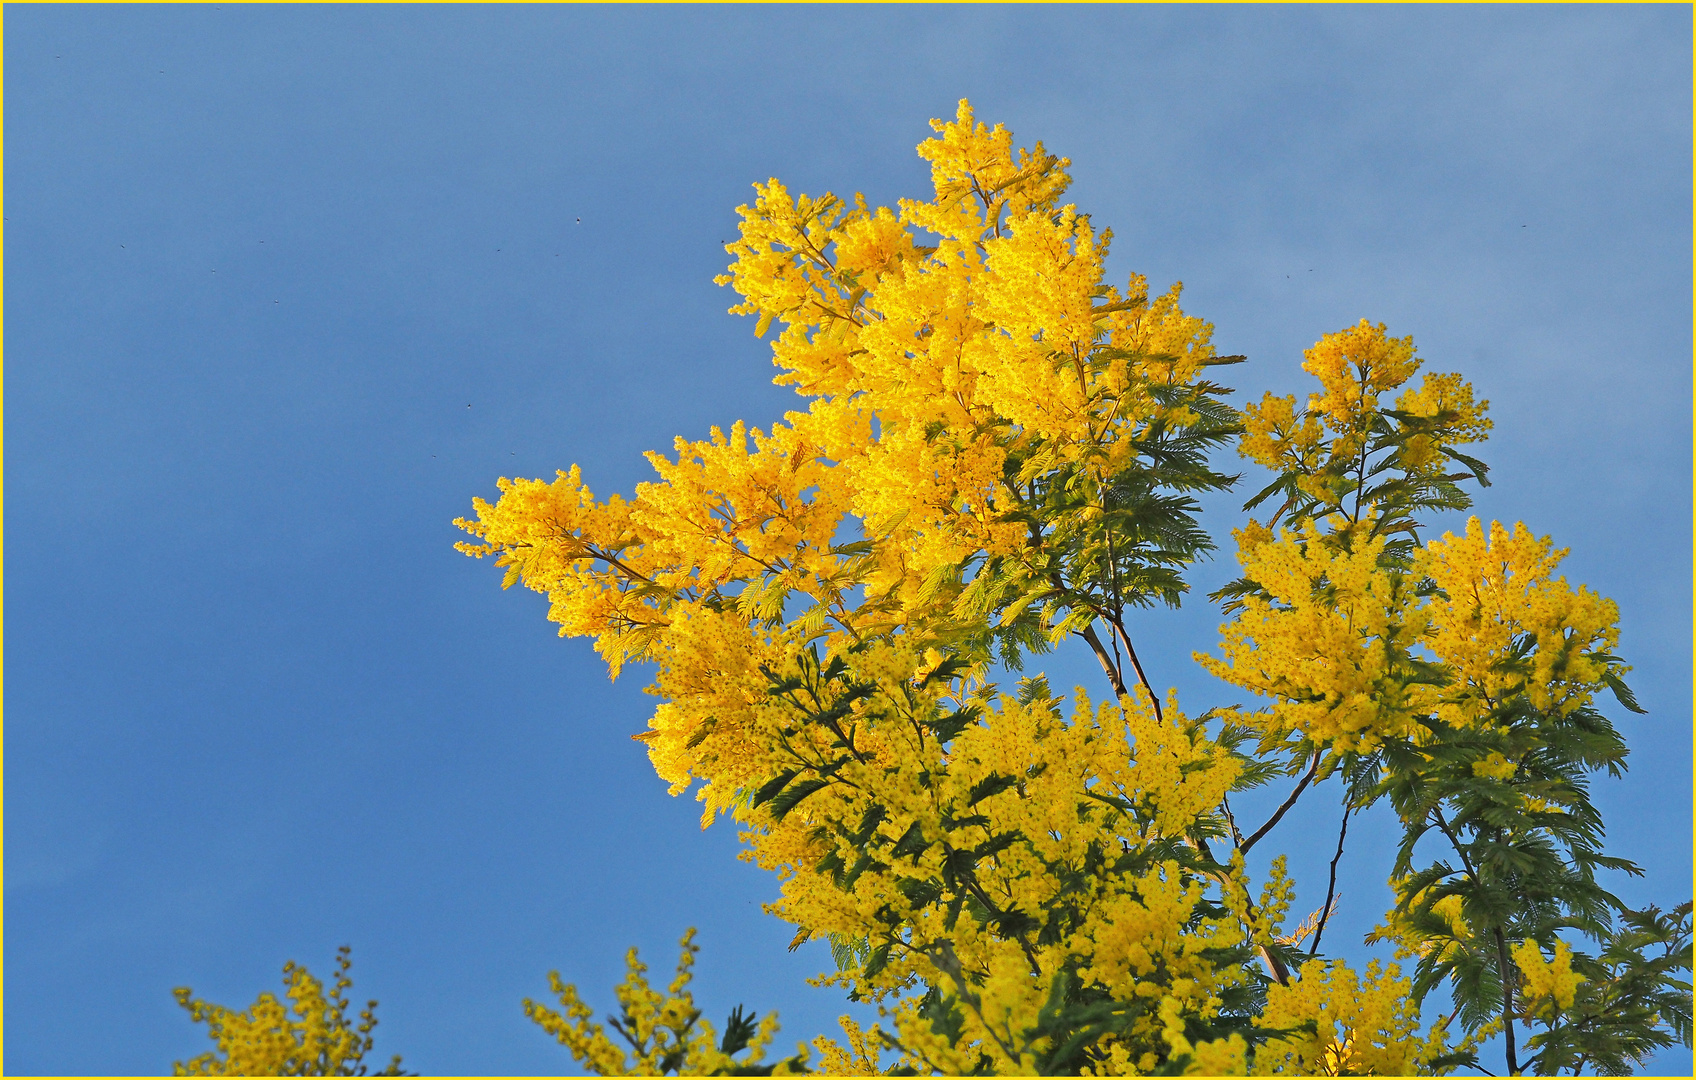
<point x="1631" y="1003"/>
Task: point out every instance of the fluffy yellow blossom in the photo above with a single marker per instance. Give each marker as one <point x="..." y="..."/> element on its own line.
<point x="1346" y="452"/>
<point x="1219" y="1057"/>
<point x="931" y="370"/>
<point x="1362" y="1026"/>
<point x="1499" y="595"/>
<point x="1549" y="985"/>
<point x="1042" y="794"/>
<point x="1495" y="766"/>
<point x="663" y="1033"/>
<point x="1328" y="639"/>
<point x="1414" y="935"/>
<point x="1355" y="366"/>
<point x="320" y="1039"/>
<point x="1276" y="436"/>
<point x="1449" y="396"/>
<point x="859" y="1058"/>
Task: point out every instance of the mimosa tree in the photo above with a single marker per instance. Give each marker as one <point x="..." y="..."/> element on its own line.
<point x="998" y="452"/>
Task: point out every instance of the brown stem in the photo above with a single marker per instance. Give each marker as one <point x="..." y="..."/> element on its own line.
<point x="1137" y="664"/>
<point x="1507" y="1000"/>
<point x="1443" y="824"/>
<point x="1088" y="634"/>
<point x="1236" y="833"/>
<point x="613" y="561"/>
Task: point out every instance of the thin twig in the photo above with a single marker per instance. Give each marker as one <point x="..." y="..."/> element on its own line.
<point x="1282" y="810"/>
<point x="1118" y="601"/>
<point x="1442" y="823"/>
<point x="1330" y="890"/>
<point x="1236" y="833"/>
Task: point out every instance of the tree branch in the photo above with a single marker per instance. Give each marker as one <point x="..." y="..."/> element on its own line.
<point x="1507" y="1000"/>
<point x="1154" y="698"/>
<point x="1088" y="634"/>
<point x="1236" y="833"/>
<point x="1443" y="824"/>
<point x="1278" y="815"/>
<point x="1330" y="890"/>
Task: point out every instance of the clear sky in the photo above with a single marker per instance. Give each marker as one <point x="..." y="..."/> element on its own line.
<point x="286" y="287"/>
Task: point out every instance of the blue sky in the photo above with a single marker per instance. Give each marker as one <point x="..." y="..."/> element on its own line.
<point x="286" y="287"/>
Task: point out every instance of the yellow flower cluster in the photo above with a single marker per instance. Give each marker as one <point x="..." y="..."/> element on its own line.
<point x="1499" y="595"/>
<point x="1361" y="1027"/>
<point x="1398" y="925"/>
<point x="320" y="1039"/>
<point x="1342" y="1028"/>
<point x="988" y="341"/>
<point x="1065" y="783"/>
<point x="665" y="1032"/>
<point x="1495" y="766"/>
<point x="1332" y="637"/>
<point x="1328" y="640"/>
<point x="1326" y="447"/>
<point x="1355" y="366"/>
<point x="1550" y="985"/>
<point x="859" y="1058"/>
<point x="1436" y="396"/>
<point x="927" y="367"/>
<point x="1278" y="436"/>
